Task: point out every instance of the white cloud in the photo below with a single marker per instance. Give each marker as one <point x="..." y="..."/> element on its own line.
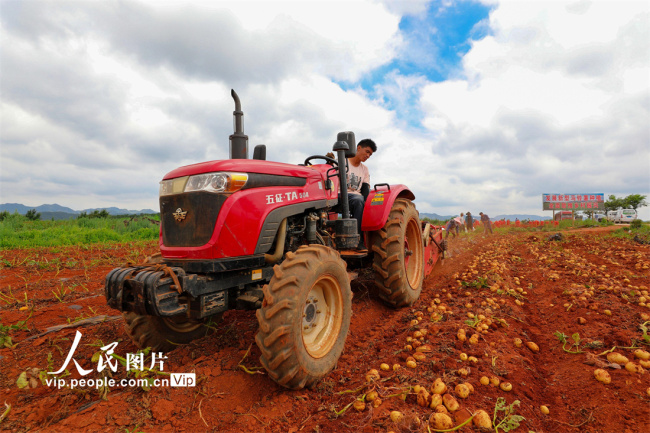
<point x="109" y="96"/>
<point x="410" y="7"/>
<point x="552" y="100"/>
<point x="362" y="34"/>
<point x="259" y="41"/>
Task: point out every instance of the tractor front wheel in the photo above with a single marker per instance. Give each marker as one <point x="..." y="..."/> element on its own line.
<point x="305" y="317"/>
<point x="162" y="333"/>
<point x="399" y="255"/>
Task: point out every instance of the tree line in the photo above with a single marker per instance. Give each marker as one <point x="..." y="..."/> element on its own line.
<point x="32" y="215"/>
<point x="633" y="201"/>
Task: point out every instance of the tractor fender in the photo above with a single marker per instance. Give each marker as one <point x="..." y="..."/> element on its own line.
<point x="379" y="203"/>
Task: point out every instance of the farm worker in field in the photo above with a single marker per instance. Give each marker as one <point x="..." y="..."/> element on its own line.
<point x="458" y="224"/>
<point x="487" y="225"/>
<point x="359" y="184"/>
<point x="461" y="221"/>
<point x="469" y="222"/>
<point x="452" y="227"/>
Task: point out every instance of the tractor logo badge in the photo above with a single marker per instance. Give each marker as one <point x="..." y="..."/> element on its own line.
<point x="179" y="215"/>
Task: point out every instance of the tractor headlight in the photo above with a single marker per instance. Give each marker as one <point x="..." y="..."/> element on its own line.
<point x="216" y="182"/>
<point x="210" y="182"/>
<point x="173" y="186"/>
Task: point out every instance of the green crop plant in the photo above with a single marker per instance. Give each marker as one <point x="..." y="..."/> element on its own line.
<point x="45" y="375"/>
<point x="473" y="321"/>
<point x="509" y="421"/>
<point x="8" y="297"/>
<point x="6" y="412"/>
<point x="5" y="338"/>
<point x="511" y="292"/>
<point x="565" y="340"/>
<point x="61" y="292"/>
<point x="479" y="283"/>
<point x="645" y="337"/>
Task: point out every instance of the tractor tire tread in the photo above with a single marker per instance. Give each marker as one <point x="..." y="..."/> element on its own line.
<point x="389" y="256"/>
<point x="155" y="332"/>
<point x="280" y="333"/>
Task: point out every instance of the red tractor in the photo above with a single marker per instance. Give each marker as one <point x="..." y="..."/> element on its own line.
<point x="254" y="234"/>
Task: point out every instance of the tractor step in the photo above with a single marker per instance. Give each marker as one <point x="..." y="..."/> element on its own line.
<point x="352" y="254"/>
<point x="250" y="301"/>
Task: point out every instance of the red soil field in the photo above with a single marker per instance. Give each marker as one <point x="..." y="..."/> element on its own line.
<point x="588" y="286"/>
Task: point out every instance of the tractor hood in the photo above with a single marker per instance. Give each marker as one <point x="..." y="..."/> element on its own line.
<point x="244" y="166"/>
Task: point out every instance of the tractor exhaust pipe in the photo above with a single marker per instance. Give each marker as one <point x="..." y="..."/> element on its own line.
<point x="238" y="140"/>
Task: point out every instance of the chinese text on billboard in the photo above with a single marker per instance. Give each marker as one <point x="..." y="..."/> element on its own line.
<point x="573" y="201"/>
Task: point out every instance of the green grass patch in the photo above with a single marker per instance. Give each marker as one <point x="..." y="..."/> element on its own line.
<point x="435" y="222"/>
<point x="17" y="231"/>
<point x="637" y="232"/>
<point x="551" y="227"/>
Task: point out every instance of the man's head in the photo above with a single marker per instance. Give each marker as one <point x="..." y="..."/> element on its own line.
<point x="365" y="149"/>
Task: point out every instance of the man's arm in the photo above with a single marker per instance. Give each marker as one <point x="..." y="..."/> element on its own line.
<point x="365" y="190"/>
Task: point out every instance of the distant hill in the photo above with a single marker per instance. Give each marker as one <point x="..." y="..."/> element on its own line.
<point x="49" y="211"/>
<point x="434" y="216"/>
<point x="22" y="209"/>
<point x="118" y="211"/>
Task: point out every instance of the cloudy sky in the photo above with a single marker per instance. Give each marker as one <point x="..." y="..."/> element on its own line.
<point x="476" y="105"/>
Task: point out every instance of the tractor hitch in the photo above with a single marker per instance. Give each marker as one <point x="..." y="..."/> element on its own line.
<point x="159" y="290"/>
<point x="162" y="290"/>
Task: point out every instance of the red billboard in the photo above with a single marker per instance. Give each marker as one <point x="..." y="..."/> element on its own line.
<point x="573" y="202"/>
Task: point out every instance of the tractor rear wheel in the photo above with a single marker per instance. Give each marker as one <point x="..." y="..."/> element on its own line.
<point x="399" y="255"/>
<point x="162" y="333"/>
<point x="305" y="316"/>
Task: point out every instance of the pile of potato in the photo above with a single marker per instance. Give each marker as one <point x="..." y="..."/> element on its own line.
<point x="444" y="402"/>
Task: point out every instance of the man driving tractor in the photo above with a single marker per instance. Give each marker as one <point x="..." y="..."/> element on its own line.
<point x="359" y="184"/>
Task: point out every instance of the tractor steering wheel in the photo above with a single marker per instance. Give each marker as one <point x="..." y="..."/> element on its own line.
<point x="326" y="158"/>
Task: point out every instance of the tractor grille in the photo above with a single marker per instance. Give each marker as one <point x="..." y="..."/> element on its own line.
<point x="194" y="227"/>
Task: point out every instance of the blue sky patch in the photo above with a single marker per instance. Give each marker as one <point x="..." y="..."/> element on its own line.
<point x="435" y="43"/>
